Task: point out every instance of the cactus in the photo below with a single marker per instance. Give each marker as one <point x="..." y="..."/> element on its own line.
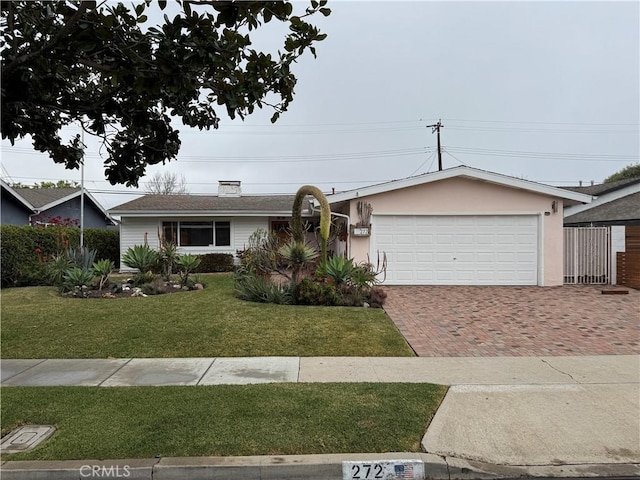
<point x="325" y="216"/>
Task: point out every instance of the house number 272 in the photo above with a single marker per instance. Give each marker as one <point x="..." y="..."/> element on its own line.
<point x="366" y="472"/>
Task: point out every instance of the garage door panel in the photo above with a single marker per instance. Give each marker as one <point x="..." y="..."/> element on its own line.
<point x="472" y="250"/>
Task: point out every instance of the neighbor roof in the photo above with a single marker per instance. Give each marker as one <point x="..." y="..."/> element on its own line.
<point x="40" y="197"/>
<point x="604" y="188"/>
<point x="622" y="210"/>
<point x="209" y="204"/>
<point x="463" y="172"/>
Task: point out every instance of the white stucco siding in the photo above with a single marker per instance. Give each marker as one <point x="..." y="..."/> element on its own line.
<point x="133" y="231"/>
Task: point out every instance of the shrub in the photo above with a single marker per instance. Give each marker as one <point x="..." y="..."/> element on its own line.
<point x="254" y="288"/>
<point x="106" y="243"/>
<point x="155" y="287"/>
<point x="25" y="249"/>
<point x="377" y="297"/>
<point x="140" y="278"/>
<point x="215" y="262"/>
<point x="261" y="254"/>
<point x="310" y="292"/>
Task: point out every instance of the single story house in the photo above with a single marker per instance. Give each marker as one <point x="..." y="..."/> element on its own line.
<point x="200" y="224"/>
<point x="459" y="226"/>
<point x="48" y="206"/>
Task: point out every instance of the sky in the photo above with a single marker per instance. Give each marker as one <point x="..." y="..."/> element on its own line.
<point x="546" y="91"/>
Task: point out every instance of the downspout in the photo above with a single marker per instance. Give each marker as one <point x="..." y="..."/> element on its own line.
<point x="341" y="215"/>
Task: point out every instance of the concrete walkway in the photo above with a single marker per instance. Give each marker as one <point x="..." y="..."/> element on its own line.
<point x="502" y="416"/>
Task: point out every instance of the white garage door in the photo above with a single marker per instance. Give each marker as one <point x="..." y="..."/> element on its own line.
<point x="458" y="250"/>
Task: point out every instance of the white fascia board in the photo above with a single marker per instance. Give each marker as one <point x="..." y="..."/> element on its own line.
<point x="464" y="172"/>
<point x="602" y="199"/>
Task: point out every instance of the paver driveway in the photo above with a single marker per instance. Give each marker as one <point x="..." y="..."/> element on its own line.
<point x="460" y="321"/>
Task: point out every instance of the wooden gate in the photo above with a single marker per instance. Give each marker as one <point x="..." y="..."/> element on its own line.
<point x="587" y="255"/>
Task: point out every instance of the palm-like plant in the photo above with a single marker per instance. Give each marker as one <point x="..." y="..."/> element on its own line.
<point x="141" y="257"/>
<point x="186" y="264"/>
<point x="337" y="269"/>
<point x="103" y="268"/>
<point x="75" y="278"/>
<point x="297" y="255"/>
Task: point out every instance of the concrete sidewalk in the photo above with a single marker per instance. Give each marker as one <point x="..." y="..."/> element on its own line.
<point x="503" y="417"/>
<point x="120" y="372"/>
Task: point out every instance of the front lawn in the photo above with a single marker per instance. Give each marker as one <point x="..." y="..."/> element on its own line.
<point x="278" y="419"/>
<point x="38" y="323"/>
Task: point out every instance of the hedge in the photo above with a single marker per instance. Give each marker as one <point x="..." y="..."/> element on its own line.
<point x="215" y="262"/>
<point x="25" y="250"/>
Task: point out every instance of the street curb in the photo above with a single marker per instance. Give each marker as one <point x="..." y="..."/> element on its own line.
<point x="294" y="467"/>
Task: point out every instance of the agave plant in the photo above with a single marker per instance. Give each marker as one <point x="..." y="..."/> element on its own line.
<point x="186" y="264"/>
<point x="337" y="269"/>
<point x="141" y="257"/>
<point x="57" y="267"/>
<point x="297" y="255"/>
<point x="167" y="257"/>
<point x="82" y="257"/>
<point x="103" y="269"/>
<point x="75" y="278"/>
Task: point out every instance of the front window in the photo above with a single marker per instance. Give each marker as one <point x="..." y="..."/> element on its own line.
<point x="223" y="234"/>
<point x="197" y="234"/>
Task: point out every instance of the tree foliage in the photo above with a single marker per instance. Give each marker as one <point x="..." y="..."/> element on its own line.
<point x="167" y="183"/>
<point x="39" y="185"/>
<point x="630" y="171"/>
<point x="103" y="66"/>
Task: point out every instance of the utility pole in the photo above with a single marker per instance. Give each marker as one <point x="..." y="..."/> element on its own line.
<point x="436" y="128"/>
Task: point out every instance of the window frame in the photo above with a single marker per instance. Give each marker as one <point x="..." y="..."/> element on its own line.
<point x="174" y="227"/>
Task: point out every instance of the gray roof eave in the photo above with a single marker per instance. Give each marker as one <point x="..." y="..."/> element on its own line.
<point x="200" y="213"/>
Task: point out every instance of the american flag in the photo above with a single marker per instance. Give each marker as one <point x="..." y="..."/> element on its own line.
<point x="403" y="471"/>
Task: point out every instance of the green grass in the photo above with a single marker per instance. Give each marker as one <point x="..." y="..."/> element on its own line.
<point x="39" y="323"/>
<point x="282" y="419"/>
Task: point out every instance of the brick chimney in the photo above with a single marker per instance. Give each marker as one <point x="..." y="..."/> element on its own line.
<point x="229" y="188"/>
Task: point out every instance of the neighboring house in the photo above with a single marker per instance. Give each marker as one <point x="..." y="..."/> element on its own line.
<point x="615" y="205"/>
<point x="460" y="226"/>
<point x="47" y="206"/>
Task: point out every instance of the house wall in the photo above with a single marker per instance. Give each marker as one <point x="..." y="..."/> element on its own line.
<point x="13" y="212"/>
<point x="135" y="230"/>
<point x="460" y="196"/>
<point x="93" y="217"/>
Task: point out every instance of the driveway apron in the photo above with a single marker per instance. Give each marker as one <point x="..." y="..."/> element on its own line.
<point x="466" y="321"/>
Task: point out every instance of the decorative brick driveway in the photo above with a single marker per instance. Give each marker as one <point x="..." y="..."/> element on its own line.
<point x="459" y="321"/>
